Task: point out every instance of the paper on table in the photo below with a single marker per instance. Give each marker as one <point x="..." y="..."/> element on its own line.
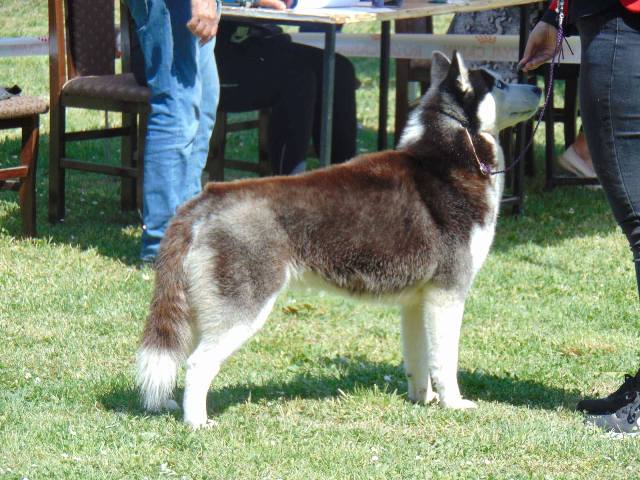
<point x="312" y="4"/>
<point x="451" y="2"/>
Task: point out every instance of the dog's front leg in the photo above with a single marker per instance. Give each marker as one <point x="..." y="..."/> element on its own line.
<point x="414" y="350"/>
<point x="443" y="311"/>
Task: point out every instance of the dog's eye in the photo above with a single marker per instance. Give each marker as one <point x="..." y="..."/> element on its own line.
<point x="501" y="85"/>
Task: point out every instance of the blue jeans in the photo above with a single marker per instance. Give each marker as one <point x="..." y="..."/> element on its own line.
<point x="183" y="79"/>
<point x="610" y="109"/>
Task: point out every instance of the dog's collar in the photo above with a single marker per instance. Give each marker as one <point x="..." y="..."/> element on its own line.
<point x="465" y="124"/>
<point x="485" y="169"/>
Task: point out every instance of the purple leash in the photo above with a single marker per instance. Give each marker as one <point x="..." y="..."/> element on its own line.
<point x="486" y="170"/>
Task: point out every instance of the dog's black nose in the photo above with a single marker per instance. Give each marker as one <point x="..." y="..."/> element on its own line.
<point x="537" y="90"/>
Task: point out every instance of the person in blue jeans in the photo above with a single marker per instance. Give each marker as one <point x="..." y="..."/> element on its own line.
<point x="177" y="39"/>
<point x="610" y="109"/>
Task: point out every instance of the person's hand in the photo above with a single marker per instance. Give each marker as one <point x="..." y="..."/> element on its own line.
<point x="540" y="46"/>
<point x="274" y="4"/>
<point x="204" y="19"/>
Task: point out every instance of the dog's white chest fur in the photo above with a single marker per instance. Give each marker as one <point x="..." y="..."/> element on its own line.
<point x="482" y="235"/>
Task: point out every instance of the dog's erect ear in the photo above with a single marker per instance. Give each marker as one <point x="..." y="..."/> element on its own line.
<point x="458" y="73"/>
<point x="439" y="67"/>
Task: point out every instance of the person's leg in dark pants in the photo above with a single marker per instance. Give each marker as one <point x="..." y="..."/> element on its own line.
<point x="345" y="126"/>
<point x="286" y="77"/>
<point x="260" y="73"/>
<point x="344" y="132"/>
<point x="610" y="109"/>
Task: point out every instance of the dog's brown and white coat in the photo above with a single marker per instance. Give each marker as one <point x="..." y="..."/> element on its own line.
<point x="410" y="226"/>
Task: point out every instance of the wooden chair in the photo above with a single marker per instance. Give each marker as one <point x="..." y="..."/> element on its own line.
<point x="567" y="115"/>
<point x="24" y="113"/>
<point x="217" y="160"/>
<point x="410" y="71"/>
<point x="82" y="41"/>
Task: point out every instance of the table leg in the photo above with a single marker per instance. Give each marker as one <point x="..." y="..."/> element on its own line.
<point x="328" y="83"/>
<point x="521" y="137"/>
<point x="385" y="39"/>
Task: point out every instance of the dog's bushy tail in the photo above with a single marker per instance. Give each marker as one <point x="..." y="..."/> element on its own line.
<point x="166" y="339"/>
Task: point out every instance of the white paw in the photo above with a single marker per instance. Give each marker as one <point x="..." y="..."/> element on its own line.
<point x="458" y="404"/>
<point x="201" y="424"/>
<point x="171" y="405"/>
<point x="432" y="397"/>
<point x="423" y="396"/>
<point x="210" y="423"/>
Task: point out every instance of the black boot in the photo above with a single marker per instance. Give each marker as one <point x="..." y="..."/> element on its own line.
<point x="636" y="261"/>
<point x="626" y="394"/>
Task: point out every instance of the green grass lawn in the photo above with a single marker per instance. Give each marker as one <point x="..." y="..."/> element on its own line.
<point x="319" y="393"/>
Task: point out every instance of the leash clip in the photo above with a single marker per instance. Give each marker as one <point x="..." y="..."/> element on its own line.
<point x="485" y="170"/>
<point x="560" y="12"/>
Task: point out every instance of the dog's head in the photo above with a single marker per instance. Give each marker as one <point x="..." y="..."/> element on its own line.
<point x="477" y="98"/>
<point x="481" y="95"/>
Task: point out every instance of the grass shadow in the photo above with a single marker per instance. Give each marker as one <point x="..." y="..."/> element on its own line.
<point x="514" y="391"/>
<point x="356" y="374"/>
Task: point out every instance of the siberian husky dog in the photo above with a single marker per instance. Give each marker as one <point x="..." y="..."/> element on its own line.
<point x="410" y="226"/>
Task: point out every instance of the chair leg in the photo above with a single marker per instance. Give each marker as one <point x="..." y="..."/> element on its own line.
<point x="29" y="157"/>
<point x="549" y="149"/>
<point x="139" y="158"/>
<point x="529" y="159"/>
<point x="506" y="142"/>
<point x="127" y="159"/>
<point x="518" y="170"/>
<point x="570" y="110"/>
<point x="215" y="158"/>
<point x="263" y="143"/>
<point x="402" y="98"/>
<point x="56" y="172"/>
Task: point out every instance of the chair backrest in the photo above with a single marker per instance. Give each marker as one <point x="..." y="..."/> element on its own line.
<point x="91" y="37"/>
<point x="406" y="70"/>
<point x="414" y="25"/>
<point x="82" y="38"/>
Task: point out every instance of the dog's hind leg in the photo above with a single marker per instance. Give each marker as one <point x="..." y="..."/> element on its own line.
<point x="229" y="303"/>
<point x="217" y="341"/>
<point x="443" y="311"/>
<point x="414" y="349"/>
<point x="202" y="367"/>
<point x="216" y="344"/>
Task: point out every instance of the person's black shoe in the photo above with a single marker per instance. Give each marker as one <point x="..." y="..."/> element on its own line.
<point x="625" y="395"/>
